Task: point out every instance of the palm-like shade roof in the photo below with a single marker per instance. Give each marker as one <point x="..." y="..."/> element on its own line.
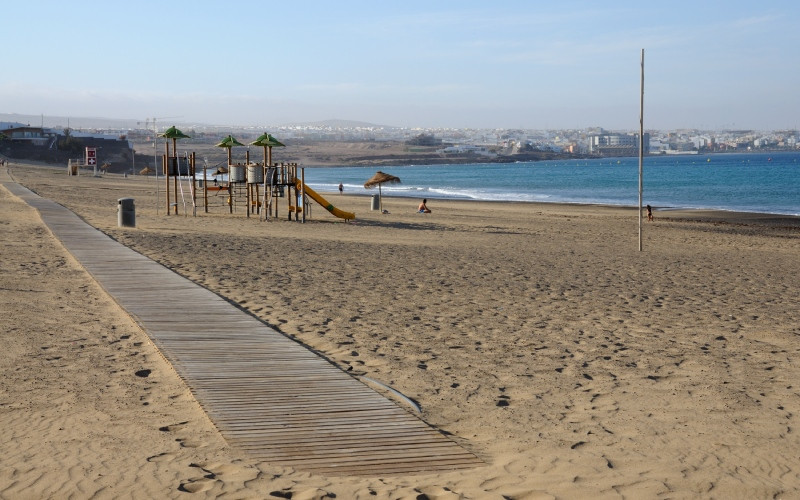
<point x="267" y="140"/>
<point x="229" y="142"/>
<point x="381" y="178"/>
<point x="173" y="133"/>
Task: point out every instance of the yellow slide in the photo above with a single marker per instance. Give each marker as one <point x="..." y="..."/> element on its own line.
<point x="322" y="201"/>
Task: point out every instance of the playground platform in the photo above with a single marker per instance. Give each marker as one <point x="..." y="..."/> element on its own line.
<point x="267" y="394"/>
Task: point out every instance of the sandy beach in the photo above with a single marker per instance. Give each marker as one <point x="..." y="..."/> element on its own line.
<point x="537" y="335"/>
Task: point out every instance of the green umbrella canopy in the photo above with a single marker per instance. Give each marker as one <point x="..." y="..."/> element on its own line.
<point x="173" y="133"/>
<point x="267" y="140"/>
<point x="229" y="142"/>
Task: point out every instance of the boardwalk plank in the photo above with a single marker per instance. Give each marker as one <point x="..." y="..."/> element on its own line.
<point x="268" y="395"/>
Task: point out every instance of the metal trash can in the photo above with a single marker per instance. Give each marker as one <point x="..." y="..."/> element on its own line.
<point x="376" y="202"/>
<point x="126" y="213"/>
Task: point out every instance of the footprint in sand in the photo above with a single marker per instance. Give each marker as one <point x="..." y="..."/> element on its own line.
<point x="438" y="493"/>
<point x="173" y="427"/>
<point x="196" y="485"/>
<point x="162" y="457"/>
<point x="191" y="443"/>
<point x="310" y="494"/>
<point x="230" y="472"/>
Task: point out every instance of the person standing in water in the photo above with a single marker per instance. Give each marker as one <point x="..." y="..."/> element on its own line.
<point x="341" y="188"/>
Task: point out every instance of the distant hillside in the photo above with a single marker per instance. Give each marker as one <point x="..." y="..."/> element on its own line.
<point x="114" y="153"/>
<point x="335" y="123"/>
<point x="77" y="122"/>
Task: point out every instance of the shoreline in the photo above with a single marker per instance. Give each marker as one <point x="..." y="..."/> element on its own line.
<point x="669" y="212"/>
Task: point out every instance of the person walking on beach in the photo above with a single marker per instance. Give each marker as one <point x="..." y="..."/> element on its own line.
<point x="649" y="213"/>
<point x="423" y="207"/>
<point x="341" y="188"/>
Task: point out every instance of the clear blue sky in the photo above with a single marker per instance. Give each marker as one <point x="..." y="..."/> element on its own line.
<point x="526" y="64"/>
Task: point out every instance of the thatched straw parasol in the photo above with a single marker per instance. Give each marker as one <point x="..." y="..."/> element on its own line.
<point x="221" y="170"/>
<point x="377" y="180"/>
<point x="146" y="171"/>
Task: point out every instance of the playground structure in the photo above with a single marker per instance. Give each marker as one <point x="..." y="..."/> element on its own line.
<point x="259" y="186"/>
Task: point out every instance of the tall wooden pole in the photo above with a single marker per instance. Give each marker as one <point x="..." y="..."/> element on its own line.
<point x="289" y="184"/>
<point x="177" y="171"/>
<point x="165" y="166"/>
<point x="246" y="180"/>
<point x="262" y="214"/>
<point x="230" y="181"/>
<point x="303" y="192"/>
<point x="205" y="187"/>
<point x="641" y="148"/>
<point x="272" y="184"/>
<point x="155" y="160"/>
<point x="194" y="185"/>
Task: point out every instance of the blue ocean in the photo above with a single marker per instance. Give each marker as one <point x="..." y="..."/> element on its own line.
<point x="748" y="182"/>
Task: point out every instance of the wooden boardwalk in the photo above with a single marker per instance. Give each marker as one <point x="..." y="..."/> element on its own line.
<point x="267" y="394"/>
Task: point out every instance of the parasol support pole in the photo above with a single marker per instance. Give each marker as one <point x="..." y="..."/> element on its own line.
<point x="263" y="213"/>
<point x="165" y="167"/>
<point x="177" y="171"/>
<point x="205" y="186"/>
<point x="303" y="192"/>
<point x="194" y="184"/>
<point x="247" y="190"/>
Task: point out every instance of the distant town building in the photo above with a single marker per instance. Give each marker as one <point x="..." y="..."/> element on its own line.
<point x="613" y="144"/>
<point x="34" y="136"/>
<point x="52" y="146"/>
<point x="467" y="149"/>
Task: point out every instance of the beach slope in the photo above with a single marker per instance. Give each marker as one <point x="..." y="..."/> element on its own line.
<point x="537" y="336"/>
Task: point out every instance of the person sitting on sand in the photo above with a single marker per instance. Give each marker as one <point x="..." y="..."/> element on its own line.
<point x="649" y="213"/>
<point x="423" y="208"/>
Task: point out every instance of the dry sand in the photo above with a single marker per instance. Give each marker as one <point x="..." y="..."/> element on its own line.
<point x="537" y="335"/>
